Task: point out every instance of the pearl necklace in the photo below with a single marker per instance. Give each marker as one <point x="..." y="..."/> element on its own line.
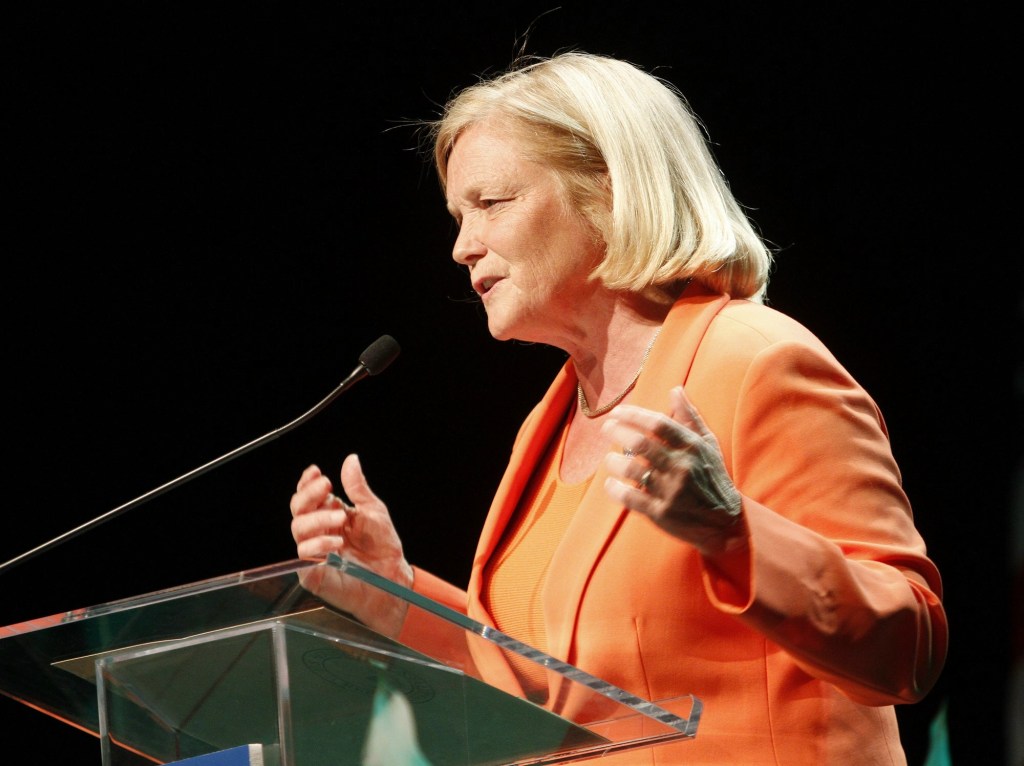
<point x="582" y="397"/>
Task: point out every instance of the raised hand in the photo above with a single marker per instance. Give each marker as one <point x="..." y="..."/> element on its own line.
<point x="671" y="469"/>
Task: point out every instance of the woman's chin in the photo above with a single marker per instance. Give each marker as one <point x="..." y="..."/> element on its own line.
<point x="499" y="327"/>
<point x="500" y="333"/>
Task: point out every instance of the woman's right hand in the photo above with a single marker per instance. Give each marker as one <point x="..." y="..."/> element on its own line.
<point x="361" y="532"/>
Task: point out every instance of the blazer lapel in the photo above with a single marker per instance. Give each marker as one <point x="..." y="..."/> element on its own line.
<point x="530" y="445"/>
<point x="595" y="522"/>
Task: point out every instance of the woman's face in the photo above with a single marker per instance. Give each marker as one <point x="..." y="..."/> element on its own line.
<point x="527" y="252"/>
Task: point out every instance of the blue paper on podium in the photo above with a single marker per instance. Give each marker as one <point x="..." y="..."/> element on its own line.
<point x="243" y="755"/>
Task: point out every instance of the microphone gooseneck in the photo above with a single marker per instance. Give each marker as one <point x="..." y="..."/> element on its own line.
<point x="381" y="353"/>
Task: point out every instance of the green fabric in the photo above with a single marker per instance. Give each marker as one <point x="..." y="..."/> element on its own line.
<point x="938" y="741"/>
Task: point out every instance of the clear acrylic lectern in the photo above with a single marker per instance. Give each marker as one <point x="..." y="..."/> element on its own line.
<point x="256" y="658"/>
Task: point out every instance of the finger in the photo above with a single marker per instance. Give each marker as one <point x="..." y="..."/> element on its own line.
<point x="632" y="440"/>
<point x="617" y="463"/>
<point x="353" y="481"/>
<point x="333" y="501"/>
<point x="319" y="547"/>
<point x="658" y="452"/>
<point x="310" y="474"/>
<point x="657" y="426"/>
<point x="625" y="467"/>
<point x="685" y="413"/>
<point x="638" y="418"/>
<point x="629" y="496"/>
<point x="319" y="524"/>
<point x="312" y="496"/>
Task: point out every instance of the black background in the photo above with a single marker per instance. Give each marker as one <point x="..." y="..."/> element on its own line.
<point x="215" y="207"/>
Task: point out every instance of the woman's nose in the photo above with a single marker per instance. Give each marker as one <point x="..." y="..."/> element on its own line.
<point x="468" y="248"/>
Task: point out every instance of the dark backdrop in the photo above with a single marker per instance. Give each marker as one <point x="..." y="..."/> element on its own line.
<point x="215" y="207"/>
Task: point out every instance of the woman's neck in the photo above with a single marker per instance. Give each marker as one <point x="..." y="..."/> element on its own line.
<point x="611" y="353"/>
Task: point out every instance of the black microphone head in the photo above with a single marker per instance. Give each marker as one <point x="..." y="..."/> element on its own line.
<point x="380" y="354"/>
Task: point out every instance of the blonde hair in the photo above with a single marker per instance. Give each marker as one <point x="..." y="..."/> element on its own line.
<point x="633" y="160"/>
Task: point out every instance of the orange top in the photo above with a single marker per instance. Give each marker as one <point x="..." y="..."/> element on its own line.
<point x="514" y="577"/>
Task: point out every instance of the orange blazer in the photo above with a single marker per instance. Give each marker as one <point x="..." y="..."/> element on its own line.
<point x="839" y="615"/>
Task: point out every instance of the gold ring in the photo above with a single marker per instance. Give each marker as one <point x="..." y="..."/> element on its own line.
<point x="645" y="479"/>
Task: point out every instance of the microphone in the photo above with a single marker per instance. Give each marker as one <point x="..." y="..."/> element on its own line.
<point x="373" y="361"/>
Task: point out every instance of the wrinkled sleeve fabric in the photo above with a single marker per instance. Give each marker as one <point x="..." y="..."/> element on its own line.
<point x="430" y="634"/>
<point x="436" y="589"/>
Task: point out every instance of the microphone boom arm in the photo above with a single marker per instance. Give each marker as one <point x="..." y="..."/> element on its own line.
<point x="378" y="356"/>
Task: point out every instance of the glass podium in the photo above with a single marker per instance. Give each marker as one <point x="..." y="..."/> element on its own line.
<point x="257" y="659"/>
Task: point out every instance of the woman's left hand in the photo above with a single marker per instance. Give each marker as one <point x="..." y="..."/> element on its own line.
<point x="671" y="469"/>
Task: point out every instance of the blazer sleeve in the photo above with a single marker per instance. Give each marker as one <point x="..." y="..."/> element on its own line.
<point x="431" y="635"/>
<point x="833" y="570"/>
